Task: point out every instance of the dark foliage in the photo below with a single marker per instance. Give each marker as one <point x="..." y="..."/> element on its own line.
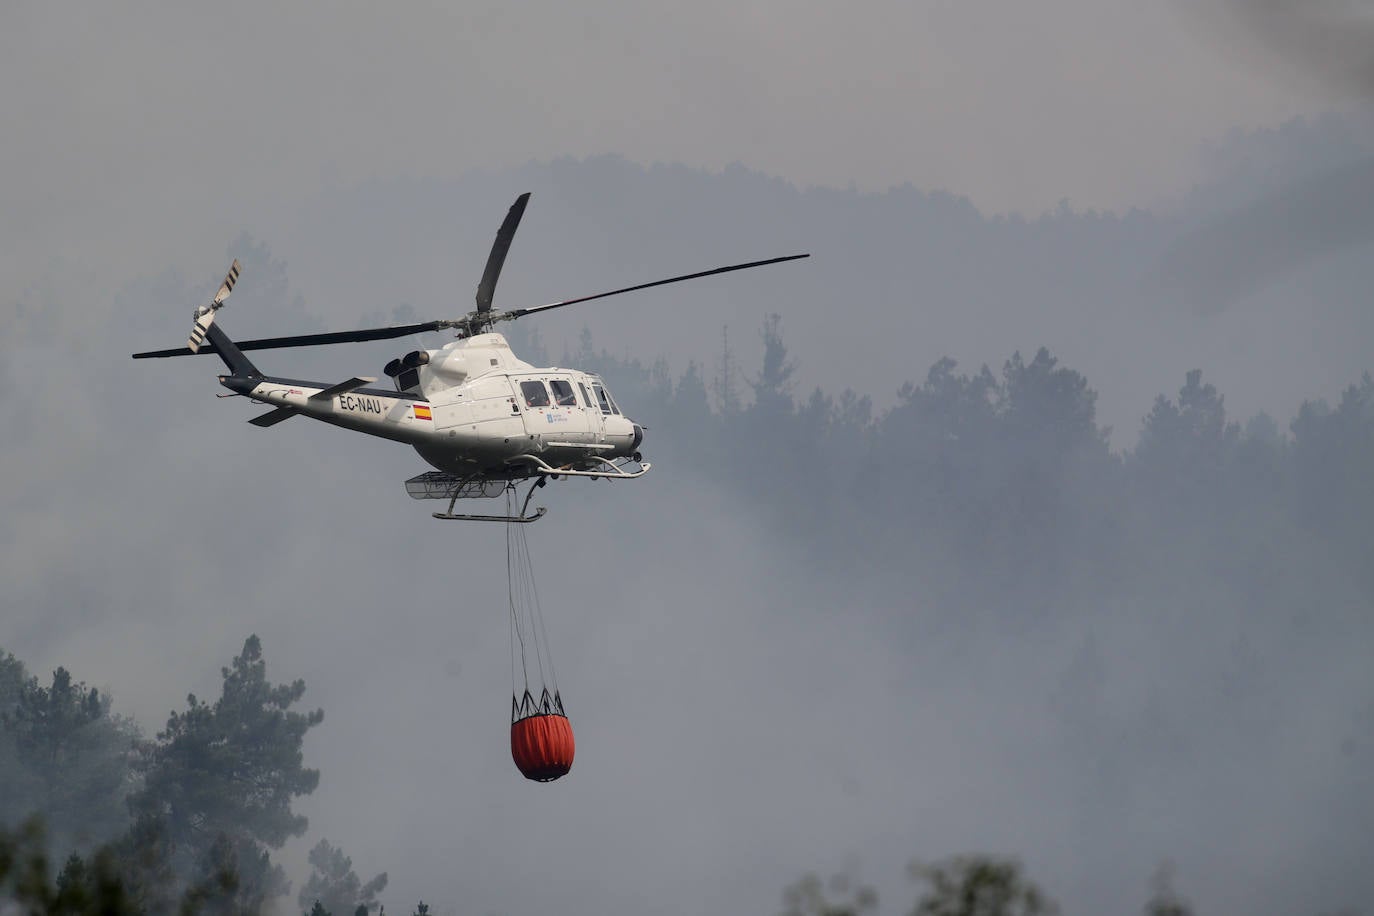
<point x="979" y="886"/>
<point x="840" y="896"/>
<point x="334" y="885"/>
<point x="234" y="766"/>
<point x="216" y="795"/>
<point x="1001" y="491"/>
<point x="63" y="755"/>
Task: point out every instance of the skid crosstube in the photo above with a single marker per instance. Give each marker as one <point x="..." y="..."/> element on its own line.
<point x="439" y="485"/>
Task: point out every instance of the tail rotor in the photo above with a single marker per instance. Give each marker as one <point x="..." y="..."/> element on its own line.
<point x="205" y="315"/>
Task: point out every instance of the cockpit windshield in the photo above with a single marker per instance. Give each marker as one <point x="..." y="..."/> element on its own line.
<point x="603" y="397"/>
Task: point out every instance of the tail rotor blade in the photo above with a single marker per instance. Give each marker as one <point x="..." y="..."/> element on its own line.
<point x="227" y="286"/>
<point x="202" y="327"/>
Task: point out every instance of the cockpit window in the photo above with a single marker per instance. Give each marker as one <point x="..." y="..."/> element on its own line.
<point x="601" y="396"/>
<point x="586" y="395"/>
<point x="536" y="395"/>
<point x="562" y="393"/>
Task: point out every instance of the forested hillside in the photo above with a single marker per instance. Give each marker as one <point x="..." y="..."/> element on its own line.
<point x="993" y="498"/>
<point x="1044" y="538"/>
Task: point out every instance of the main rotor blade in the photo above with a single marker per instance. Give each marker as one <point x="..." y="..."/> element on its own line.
<point x="487" y="288"/>
<point x="309" y="340"/>
<point x="516" y="313"/>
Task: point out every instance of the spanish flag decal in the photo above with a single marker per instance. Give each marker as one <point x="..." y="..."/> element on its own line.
<point x="422" y="412"/>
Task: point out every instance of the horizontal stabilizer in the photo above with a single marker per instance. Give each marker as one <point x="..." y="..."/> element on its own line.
<point x="273" y="417"/>
<point x="356" y="381"/>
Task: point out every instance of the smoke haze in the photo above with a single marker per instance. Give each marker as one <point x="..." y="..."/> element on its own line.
<point x="956" y="615"/>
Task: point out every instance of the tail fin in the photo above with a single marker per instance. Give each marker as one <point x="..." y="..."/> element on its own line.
<point x="233" y="357"/>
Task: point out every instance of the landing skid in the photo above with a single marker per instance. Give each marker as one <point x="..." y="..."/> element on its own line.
<point x="521" y="468"/>
<point x="539" y="512"/>
<point x="525" y="517"/>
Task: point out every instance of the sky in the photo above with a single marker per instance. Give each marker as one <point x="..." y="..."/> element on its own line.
<point x="143" y="141"/>
<point x="183" y="120"/>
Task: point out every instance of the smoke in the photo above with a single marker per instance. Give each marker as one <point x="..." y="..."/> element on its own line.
<point x="1330" y="41"/>
<point x="1328" y="44"/>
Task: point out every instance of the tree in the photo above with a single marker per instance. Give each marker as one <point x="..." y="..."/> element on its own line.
<point x="978" y="886"/>
<point x="144" y="857"/>
<point x="334" y="885"/>
<point x="727" y="395"/>
<point x="217" y="888"/>
<point x="21" y="784"/>
<point x="1164" y="900"/>
<point x="948" y="423"/>
<point x="1185" y="446"/>
<point x="84" y="886"/>
<point x="689" y="411"/>
<point x="64" y="756"/>
<point x="808" y="897"/>
<point x="1049" y="406"/>
<point x="773" y="387"/>
<point x="111" y="882"/>
<point x="12" y="678"/>
<point x="222" y="778"/>
<point x="941" y="441"/>
<point x="1333" y="451"/>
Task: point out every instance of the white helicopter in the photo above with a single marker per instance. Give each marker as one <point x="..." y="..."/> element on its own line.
<point x="484" y="418"/>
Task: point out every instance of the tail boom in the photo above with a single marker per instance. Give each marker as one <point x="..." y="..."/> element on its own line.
<point x="233" y="357"/>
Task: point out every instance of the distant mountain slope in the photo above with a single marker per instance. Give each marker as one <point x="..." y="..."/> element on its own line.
<point x="896" y="281"/>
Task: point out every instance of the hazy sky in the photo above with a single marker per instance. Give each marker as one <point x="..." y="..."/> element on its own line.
<point x="185" y="117"/>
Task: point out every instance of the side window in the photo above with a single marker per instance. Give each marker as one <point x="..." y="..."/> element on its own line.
<point x="536" y="395"/>
<point x="586" y="395"/>
<point x="601" y="397"/>
<point x="562" y="393"/>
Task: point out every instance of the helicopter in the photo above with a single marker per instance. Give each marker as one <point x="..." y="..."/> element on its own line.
<point x="485" y="420"/>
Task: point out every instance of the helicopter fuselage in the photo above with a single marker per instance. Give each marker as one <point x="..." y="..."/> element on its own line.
<point x="470" y="407"/>
<point x="483" y="418"/>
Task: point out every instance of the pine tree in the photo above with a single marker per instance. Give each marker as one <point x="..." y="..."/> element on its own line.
<point x="221" y="778"/>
